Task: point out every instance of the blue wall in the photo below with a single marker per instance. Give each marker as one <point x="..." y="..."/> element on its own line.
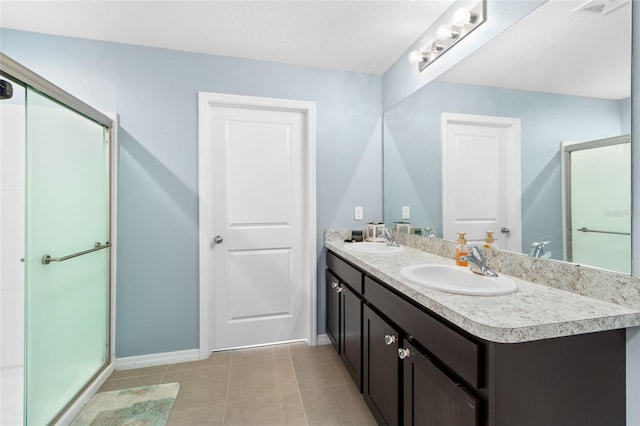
<point x="154" y="91"/>
<point x="413" y="154"/>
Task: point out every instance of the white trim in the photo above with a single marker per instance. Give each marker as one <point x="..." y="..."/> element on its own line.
<point x="322" y="339"/>
<point x="308" y="108"/>
<point x="152" y="360"/>
<point x="513" y="126"/>
<point x="72" y="412"/>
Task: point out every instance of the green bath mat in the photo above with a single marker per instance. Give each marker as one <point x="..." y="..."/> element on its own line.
<point x="147" y="405"/>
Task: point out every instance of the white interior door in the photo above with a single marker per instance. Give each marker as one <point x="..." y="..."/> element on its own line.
<point x="260" y="288"/>
<point x="481" y="178"/>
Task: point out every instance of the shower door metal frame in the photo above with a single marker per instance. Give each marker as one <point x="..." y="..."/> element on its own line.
<point x="21" y="74"/>
<point x="567" y="149"/>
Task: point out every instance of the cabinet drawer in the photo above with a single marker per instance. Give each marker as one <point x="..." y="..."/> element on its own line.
<point x="347" y="273"/>
<point x="452" y="348"/>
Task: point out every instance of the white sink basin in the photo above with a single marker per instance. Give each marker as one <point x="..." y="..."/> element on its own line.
<point x="371" y="247"/>
<point x="457" y="279"/>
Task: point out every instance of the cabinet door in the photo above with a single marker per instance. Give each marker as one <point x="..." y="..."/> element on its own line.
<point x="333" y="310"/>
<point x="380" y="368"/>
<point x="351" y="336"/>
<point x="431" y="398"/>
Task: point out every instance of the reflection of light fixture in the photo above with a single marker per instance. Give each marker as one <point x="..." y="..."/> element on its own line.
<point x="445" y="32"/>
<point x="447" y="35"/>
<point x="461" y="17"/>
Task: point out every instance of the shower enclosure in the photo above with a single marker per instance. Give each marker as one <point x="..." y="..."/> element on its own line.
<point x="55" y="246"/>
<point x="597" y="203"/>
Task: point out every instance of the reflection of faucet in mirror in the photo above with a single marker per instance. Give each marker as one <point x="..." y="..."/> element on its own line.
<point x="430" y="231"/>
<point x="477" y="262"/>
<point x="537" y="250"/>
<point x="391" y="241"/>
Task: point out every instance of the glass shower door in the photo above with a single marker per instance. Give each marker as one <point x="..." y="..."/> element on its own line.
<point x="67" y="212"/>
<point x="600" y="202"/>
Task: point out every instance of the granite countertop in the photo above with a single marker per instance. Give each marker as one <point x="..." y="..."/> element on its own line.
<point x="534" y="312"/>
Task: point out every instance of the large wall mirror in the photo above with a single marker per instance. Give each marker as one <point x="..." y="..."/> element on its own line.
<point x="534" y="124"/>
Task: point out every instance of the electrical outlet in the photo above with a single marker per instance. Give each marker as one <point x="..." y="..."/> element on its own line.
<point x="406" y="212"/>
<point x="358" y="213"/>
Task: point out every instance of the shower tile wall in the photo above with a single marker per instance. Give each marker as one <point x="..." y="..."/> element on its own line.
<point x="12" y="187"/>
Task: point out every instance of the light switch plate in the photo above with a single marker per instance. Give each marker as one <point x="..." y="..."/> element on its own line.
<point x="358" y="213"/>
<point x="406" y="212"/>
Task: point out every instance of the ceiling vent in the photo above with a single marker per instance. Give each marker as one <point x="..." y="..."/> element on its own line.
<point x="602" y="7"/>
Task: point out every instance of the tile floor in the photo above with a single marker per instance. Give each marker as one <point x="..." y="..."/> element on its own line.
<point x="291" y="384"/>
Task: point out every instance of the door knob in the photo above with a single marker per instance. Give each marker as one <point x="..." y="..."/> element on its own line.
<point x="217" y="239"/>
<point x="389" y="339"/>
<point x="505" y="230"/>
<point x="404" y="353"/>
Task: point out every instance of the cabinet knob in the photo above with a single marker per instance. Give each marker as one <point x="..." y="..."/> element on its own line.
<point x="389" y="339"/>
<point x="334" y="284"/>
<point x="340" y="289"/>
<point x="404" y="353"/>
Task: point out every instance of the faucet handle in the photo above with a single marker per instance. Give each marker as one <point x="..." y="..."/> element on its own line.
<point x="540" y="243"/>
<point x="475" y="251"/>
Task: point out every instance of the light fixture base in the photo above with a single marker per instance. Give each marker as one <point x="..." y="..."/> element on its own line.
<point x="477" y="17"/>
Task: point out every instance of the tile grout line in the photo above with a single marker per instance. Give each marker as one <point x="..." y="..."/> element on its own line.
<point x="304" y="411"/>
<point x="226" y="394"/>
<point x="164" y="374"/>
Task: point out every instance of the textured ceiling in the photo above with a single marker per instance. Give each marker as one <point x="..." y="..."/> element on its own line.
<point x="364" y="36"/>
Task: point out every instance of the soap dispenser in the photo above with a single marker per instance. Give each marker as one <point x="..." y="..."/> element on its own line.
<point x="461" y="250"/>
<point x="489" y="241"/>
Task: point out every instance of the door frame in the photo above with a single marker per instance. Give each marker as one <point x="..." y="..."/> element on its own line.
<point x="514" y="187"/>
<point x="206" y="101"/>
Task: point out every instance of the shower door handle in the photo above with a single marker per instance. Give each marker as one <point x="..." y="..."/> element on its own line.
<point x="46" y="259"/>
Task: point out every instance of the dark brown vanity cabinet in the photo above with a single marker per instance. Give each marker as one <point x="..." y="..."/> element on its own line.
<point x="402" y="386"/>
<point x="432" y="398"/>
<point x="416" y="368"/>
<point x="380" y="384"/>
<point x="333" y="310"/>
<point x="344" y="314"/>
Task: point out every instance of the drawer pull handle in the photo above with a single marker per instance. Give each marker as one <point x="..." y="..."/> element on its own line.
<point x="334" y="284"/>
<point x="404" y="353"/>
<point x="389" y="339"/>
<point x="340" y="289"/>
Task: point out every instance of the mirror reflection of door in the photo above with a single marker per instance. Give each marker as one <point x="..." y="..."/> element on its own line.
<point x="598" y="203"/>
<point x="481" y="178"/>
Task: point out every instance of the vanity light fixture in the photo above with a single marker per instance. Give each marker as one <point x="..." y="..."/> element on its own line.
<point x="463" y="21"/>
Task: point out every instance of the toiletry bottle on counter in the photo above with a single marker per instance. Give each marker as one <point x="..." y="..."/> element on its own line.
<point x="489" y="241"/>
<point x="461" y="250"/>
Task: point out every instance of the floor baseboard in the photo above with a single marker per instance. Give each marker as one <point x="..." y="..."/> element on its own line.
<point x="128" y="363"/>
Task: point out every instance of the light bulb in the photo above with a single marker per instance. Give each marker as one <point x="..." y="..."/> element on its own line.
<point x="461" y="17"/>
<point x="415" y="56"/>
<point x="425" y="45"/>
<point x="443" y="32"/>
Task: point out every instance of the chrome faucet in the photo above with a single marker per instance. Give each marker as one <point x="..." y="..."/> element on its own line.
<point x="391" y="241"/>
<point x="477" y="262"/>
